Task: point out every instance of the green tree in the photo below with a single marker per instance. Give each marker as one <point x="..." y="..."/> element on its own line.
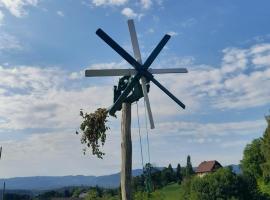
<point x="167" y="175"/>
<point x="189" y="168"/>
<point x="92" y="195"/>
<point x="179" y="176"/>
<point x="171" y="173"/>
<point x="76" y="192"/>
<point x="222" y="184"/>
<point x="253" y="159"/>
<point x="266" y="151"/>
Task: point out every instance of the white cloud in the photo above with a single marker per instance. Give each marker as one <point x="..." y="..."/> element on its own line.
<point x="236" y="143"/>
<point x="17" y="7"/>
<point x="260" y="48"/>
<point x="129" y="13"/>
<point x="238" y="83"/>
<point x="1" y="17"/>
<point x="234" y="60"/>
<point x="261" y="55"/>
<point x="202" y="131"/>
<point x="31" y="95"/>
<point x="146" y="4"/>
<point x="188" y="22"/>
<point x="172" y="33"/>
<point x="8" y="42"/>
<point x="60" y="13"/>
<point x="36" y="151"/>
<point x="109" y="2"/>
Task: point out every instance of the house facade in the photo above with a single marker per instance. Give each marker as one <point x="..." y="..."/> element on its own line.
<point x="207" y="167"/>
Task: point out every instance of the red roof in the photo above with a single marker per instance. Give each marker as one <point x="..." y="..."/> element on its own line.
<point x="208" y="166"/>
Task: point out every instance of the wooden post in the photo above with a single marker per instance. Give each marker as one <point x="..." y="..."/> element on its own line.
<point x="126" y="152"/>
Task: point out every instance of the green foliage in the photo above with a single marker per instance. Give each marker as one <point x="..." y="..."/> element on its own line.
<point x="92" y="195"/>
<point x="264" y="187"/>
<point x="50" y="194"/>
<point x="98" y="193"/>
<point x="253" y="159"/>
<point x="76" y="192"/>
<point x="17" y="197"/>
<point x="189" y="168"/>
<point x="179" y="176"/>
<point x="94" y="129"/>
<point x="156" y="178"/>
<point x="146" y="196"/>
<point x="223" y="184"/>
<point x="265" y="147"/>
<point x="169" y="192"/>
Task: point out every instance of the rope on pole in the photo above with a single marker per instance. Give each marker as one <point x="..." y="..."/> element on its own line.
<point x="139" y="128"/>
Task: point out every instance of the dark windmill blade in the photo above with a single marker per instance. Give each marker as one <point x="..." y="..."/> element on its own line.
<point x="0" y="152"/>
<point x="106" y="38"/>
<point x="156" y="51"/>
<point x="168" y="93"/>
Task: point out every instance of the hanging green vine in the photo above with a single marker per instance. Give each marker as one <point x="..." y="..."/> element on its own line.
<point x="93" y="129"/>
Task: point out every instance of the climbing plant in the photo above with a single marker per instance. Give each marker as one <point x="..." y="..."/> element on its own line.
<point x="93" y="130"/>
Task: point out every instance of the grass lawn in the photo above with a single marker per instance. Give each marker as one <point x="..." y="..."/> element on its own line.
<point x="170" y="192"/>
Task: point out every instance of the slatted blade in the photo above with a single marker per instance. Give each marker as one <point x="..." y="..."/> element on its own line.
<point x="168" y="93"/>
<point x="106" y="38"/>
<point x="168" y="71"/>
<point x="109" y="72"/>
<point x="130" y="72"/>
<point x="156" y="51"/>
<point x="137" y="54"/>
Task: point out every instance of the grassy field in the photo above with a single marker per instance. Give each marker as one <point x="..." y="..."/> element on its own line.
<point x="170" y="192"/>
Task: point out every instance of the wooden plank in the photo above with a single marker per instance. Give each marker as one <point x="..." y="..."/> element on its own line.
<point x="137" y="54"/>
<point x="130" y="72"/>
<point x="126" y="152"/>
<point x="109" y="72"/>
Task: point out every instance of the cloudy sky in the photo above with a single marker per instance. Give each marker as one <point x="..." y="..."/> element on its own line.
<point x="45" y="46"/>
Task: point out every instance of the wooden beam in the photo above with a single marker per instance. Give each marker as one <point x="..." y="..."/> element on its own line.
<point x="126" y="152"/>
<point x="137" y="54"/>
<point x="130" y="72"/>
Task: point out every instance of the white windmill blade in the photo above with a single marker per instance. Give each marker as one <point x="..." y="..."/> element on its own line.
<point x="130" y="72"/>
<point x="137" y="54"/>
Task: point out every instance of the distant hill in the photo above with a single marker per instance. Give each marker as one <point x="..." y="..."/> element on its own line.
<point x="53" y="182"/>
<point x="236" y="169"/>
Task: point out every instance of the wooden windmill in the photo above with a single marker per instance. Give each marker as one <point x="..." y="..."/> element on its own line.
<point x="134" y="84"/>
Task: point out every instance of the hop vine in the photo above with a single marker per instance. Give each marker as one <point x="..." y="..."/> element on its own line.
<point x="93" y="129"/>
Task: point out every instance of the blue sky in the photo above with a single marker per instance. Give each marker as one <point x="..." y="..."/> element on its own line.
<point x="45" y="46"/>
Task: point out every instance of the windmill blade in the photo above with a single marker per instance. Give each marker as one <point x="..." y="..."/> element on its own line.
<point x="130" y="72"/>
<point x="106" y="38"/>
<point x="156" y="51"/>
<point x="0" y="152"/>
<point x="168" y="70"/>
<point x="137" y="54"/>
<point x="168" y="93"/>
<point x="110" y="72"/>
<point x="124" y="94"/>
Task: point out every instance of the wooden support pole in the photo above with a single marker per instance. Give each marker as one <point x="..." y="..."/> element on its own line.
<point x="126" y="152"/>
